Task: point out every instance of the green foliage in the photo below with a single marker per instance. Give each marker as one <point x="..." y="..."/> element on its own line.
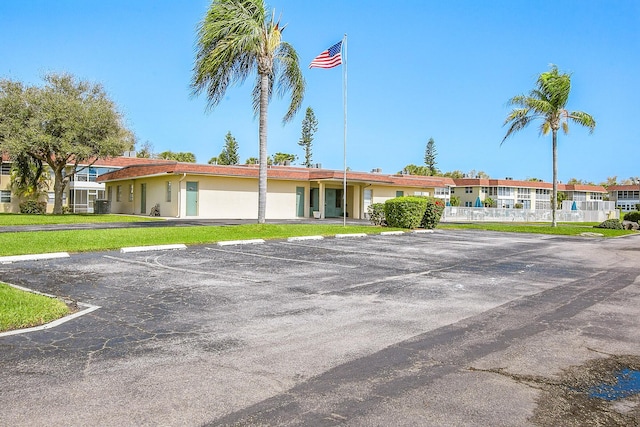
<point x="229" y="154"/>
<point x="430" y="157"/>
<point x="433" y="213"/>
<point x="145" y="151"/>
<point x="489" y="202"/>
<point x="283" y="158"/>
<point x="28" y="180"/>
<point x="33" y="207"/>
<point x="309" y="128"/>
<point x="376" y="213"/>
<point x="456" y="174"/>
<point x="21" y="309"/>
<point x="178" y="157"/>
<point x="405" y="212"/>
<point x="632" y="216"/>
<point x="254" y="161"/>
<point x="454" y="201"/>
<point x="415" y="170"/>
<point x="67" y="121"/>
<point x="611" y="224"/>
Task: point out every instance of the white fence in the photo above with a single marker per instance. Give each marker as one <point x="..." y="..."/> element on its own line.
<point x="456" y="213"/>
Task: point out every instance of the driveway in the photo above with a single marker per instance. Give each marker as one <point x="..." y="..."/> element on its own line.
<point x="459" y="328"/>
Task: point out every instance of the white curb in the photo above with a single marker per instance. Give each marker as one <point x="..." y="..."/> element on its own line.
<point x="391" y="233"/>
<point x="152" y="248"/>
<point x="240" y="242"/>
<point x="298" y="238"/>
<point x="35" y="257"/>
<point x="342" y="236"/>
<point x="422" y="231"/>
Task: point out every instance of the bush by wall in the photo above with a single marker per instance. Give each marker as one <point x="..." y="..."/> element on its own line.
<point x="632" y="216"/>
<point x="432" y="214"/>
<point x="33" y="207"/>
<point x="405" y="212"/>
<point x="612" y="224"/>
<point x="376" y="214"/>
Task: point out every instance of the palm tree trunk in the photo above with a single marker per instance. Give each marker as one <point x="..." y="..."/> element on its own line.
<point x="262" y="176"/>
<point x="554" y="193"/>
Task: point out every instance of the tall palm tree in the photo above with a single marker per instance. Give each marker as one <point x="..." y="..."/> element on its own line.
<point x="547" y="102"/>
<point x="235" y="39"/>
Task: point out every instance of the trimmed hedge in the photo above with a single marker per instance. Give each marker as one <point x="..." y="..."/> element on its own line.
<point x="413" y="212"/>
<point x="612" y="224"/>
<point x="432" y="213"/>
<point x="376" y="214"/>
<point x="33" y="207"/>
<point x="632" y="216"/>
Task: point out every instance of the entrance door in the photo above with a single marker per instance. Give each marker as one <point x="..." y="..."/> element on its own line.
<point x="192" y="199"/>
<point x="300" y="201"/>
<point x="143" y="199"/>
<point x="332" y="203"/>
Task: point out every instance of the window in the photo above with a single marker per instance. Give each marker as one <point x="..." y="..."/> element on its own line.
<point x="51" y="196"/>
<point x="119" y="193"/>
<point x="524" y="193"/>
<point x="168" y="191"/>
<point x="505" y="191"/>
<point x="596" y="196"/>
<point x="109" y="193"/>
<point x="131" y="192"/>
<point x="5" y="169"/>
<point x="468" y="204"/>
<point x="468" y="190"/>
<point x="399" y="193"/>
<point x="5" y="196"/>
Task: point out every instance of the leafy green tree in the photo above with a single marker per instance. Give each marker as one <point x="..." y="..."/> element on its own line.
<point x="229" y="154"/>
<point x="456" y="174"/>
<point x="547" y="102"/>
<point x="185" y="157"/>
<point x="454" y="201"/>
<point x="235" y="39"/>
<point x="65" y="122"/>
<point x="489" y="202"/>
<point x="145" y="151"/>
<point x="283" y="158"/>
<point x="576" y="181"/>
<point x="430" y="157"/>
<point x="28" y="180"/>
<point x="253" y="161"/>
<point x="309" y="128"/>
<point x="213" y="161"/>
<point x="611" y="180"/>
<point x="534" y="180"/>
<point x="415" y="170"/>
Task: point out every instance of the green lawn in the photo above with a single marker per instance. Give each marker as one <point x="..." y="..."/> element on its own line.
<point x="21" y="309"/>
<point x="564" y="229"/>
<point x="8" y="219"/>
<point x="36" y="242"/>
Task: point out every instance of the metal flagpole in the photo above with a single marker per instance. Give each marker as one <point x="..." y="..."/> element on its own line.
<point x="344" y="98"/>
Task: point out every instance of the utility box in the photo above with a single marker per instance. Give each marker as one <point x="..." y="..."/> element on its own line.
<point x="102" y="206"/>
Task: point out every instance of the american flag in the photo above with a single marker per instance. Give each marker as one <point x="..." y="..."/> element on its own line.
<point x="330" y="58"/>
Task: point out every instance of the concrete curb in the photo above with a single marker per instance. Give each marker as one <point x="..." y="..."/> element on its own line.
<point x="88" y="308"/>
<point x="240" y="242"/>
<point x="299" y="238"/>
<point x="391" y="233"/>
<point x="344" y="236"/>
<point x="421" y="231"/>
<point x="152" y="248"/>
<point x="33" y="257"/>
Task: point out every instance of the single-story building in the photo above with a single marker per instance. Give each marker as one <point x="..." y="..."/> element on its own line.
<point x="231" y="192"/>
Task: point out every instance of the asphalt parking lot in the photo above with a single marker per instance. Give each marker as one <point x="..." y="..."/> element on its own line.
<point x="453" y="328"/>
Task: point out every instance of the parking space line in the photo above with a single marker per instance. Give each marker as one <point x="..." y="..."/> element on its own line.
<point x="283" y="259"/>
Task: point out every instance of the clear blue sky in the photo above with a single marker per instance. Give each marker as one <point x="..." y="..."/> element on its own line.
<point x="416" y="70"/>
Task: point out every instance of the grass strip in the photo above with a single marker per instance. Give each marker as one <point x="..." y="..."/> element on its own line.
<point x="21" y="309"/>
<point x="9" y="219"/>
<point x="37" y="242"/>
<point x="563" y="229"/>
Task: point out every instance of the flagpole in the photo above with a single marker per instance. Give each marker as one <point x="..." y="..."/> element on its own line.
<point x="344" y="98"/>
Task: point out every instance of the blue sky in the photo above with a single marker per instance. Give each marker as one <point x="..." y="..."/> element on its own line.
<point x="416" y="70"/>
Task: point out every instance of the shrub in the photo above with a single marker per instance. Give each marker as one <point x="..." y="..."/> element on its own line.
<point x="376" y="214"/>
<point x="405" y="212"/>
<point x="612" y="224"/>
<point x="632" y="216"/>
<point x="432" y="213"/>
<point x="33" y="207"/>
<point x="66" y="210"/>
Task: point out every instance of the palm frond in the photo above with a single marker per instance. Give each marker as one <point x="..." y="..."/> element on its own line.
<point x="583" y="119"/>
<point x="290" y="78"/>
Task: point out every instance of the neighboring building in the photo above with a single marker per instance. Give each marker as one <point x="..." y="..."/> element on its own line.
<point x="217" y="191"/>
<point x="80" y="193"/>
<point x="626" y="197"/>
<point x="529" y="195"/>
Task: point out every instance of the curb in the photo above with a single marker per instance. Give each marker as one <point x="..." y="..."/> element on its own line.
<point x="299" y="238"/>
<point x="391" y="233"/>
<point x="34" y="257"/>
<point x="152" y="248"/>
<point x="343" y="236"/>
<point x="240" y="242"/>
<point x="422" y="231"/>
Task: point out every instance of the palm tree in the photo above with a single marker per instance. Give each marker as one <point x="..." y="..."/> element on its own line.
<point x="547" y="102"/>
<point x="236" y="38"/>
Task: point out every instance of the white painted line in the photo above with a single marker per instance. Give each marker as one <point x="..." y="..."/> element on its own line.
<point x="35" y="257"/>
<point x="421" y="231"/>
<point x="88" y="308"/>
<point x="342" y="236"/>
<point x="240" y="242"/>
<point x="391" y="233"/>
<point x="152" y="248"/>
<point x="299" y="238"/>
